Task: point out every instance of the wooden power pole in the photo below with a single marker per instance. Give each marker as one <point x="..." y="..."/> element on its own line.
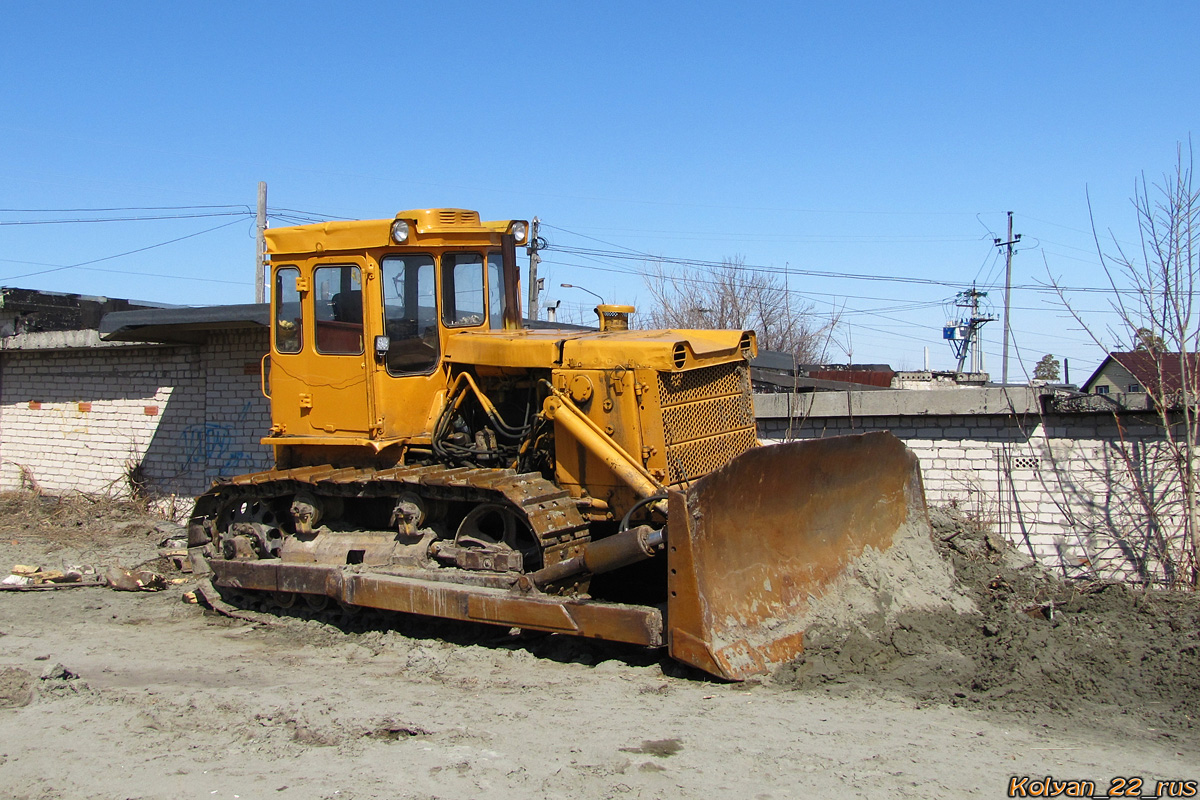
<point x="260" y="246"/>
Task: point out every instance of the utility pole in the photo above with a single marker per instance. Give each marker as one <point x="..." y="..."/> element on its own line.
<point x="1007" y="294"/>
<point x="260" y="246"/>
<point x="964" y="333"/>
<point x="535" y="283"/>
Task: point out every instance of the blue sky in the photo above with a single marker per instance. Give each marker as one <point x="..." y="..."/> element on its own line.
<point x="875" y="139"/>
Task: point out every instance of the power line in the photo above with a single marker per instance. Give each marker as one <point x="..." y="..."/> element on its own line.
<point x="603" y="261"/>
<point x="165" y="275"/>
<point x="983" y="264"/>
<point x="130" y="272"/>
<point x="802" y="295"/>
<point x="629" y="253"/>
<point x="116" y="208"/>
<point x="703" y="263"/>
<point x="318" y="216"/>
<point x="293" y="220"/>
<point x="124" y="219"/>
<point x="121" y="255"/>
<point x="783" y="238"/>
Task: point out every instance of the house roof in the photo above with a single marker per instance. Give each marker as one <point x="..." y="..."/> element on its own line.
<point x="1149" y="368"/>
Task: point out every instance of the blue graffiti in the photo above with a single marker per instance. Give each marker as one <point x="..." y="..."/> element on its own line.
<point x="214" y="447"/>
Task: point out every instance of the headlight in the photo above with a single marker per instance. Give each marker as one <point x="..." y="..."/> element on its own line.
<point x="519" y="231"/>
<point x="399" y="231"/>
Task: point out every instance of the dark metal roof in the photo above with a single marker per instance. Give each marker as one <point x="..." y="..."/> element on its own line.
<point x="36" y="311"/>
<point x="543" y="325"/>
<point x="772" y="371"/>
<point x="191" y="325"/>
<point x="182" y="325"/>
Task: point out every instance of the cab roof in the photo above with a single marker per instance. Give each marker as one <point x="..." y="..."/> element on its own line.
<point x="430" y="227"/>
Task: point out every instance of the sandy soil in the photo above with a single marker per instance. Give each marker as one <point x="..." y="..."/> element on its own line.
<point x="1023" y="640"/>
<point x="147" y="697"/>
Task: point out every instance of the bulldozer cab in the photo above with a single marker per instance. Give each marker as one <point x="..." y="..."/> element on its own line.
<point x="362" y="312"/>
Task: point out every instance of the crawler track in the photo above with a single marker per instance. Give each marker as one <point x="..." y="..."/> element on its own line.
<point x="549" y="511"/>
<point x="449" y="592"/>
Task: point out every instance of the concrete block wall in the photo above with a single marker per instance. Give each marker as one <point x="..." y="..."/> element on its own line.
<point x="85" y="418"/>
<point x="1056" y="486"/>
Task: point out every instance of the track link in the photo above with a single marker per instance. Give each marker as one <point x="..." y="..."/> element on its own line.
<point x="550" y="512"/>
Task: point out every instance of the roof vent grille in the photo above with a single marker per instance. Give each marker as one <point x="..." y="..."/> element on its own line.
<point x="457" y="216"/>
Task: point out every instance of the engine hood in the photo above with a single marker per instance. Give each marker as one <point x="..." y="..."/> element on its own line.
<point x="665" y="350"/>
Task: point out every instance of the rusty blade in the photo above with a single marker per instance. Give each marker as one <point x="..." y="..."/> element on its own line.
<point x="772" y="529"/>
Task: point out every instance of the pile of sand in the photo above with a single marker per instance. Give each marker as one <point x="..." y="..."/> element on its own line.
<point x="1004" y="634"/>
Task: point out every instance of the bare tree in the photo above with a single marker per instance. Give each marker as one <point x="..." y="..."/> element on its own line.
<point x="1154" y="291"/>
<point x="732" y="296"/>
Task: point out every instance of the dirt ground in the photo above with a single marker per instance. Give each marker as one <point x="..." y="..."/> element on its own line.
<point x="1006" y="672"/>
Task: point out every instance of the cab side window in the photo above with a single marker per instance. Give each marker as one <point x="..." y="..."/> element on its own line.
<point x="337" y="310"/>
<point x="462" y="290"/>
<point x="289" y="320"/>
<point x="409" y="313"/>
<point x="495" y="273"/>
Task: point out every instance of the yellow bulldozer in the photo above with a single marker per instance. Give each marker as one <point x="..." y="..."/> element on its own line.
<point x="436" y="455"/>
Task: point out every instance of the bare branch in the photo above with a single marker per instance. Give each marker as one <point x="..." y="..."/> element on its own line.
<point x="733" y="297"/>
<point x="1160" y="324"/>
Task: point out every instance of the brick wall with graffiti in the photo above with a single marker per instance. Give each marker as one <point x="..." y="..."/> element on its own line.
<point x="165" y="420"/>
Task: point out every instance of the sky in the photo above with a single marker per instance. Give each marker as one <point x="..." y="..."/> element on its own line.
<point x="866" y="153"/>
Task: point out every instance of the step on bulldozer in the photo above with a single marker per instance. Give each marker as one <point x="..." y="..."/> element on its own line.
<point x="437" y="455"/>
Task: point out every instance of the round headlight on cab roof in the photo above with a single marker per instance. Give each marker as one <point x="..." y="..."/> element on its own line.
<point x="519" y="231"/>
<point x="400" y="231"/>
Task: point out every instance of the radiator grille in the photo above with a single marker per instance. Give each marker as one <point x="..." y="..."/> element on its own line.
<point x="708" y="418"/>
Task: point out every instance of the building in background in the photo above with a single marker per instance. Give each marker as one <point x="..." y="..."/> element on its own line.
<point x="108" y="396"/>
<point x="1141" y="371"/>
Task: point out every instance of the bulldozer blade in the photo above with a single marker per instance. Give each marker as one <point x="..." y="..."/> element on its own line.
<point x="752" y="544"/>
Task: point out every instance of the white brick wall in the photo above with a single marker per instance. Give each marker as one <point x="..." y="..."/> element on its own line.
<point x="1057" y="487"/>
<point x="81" y="419"/>
<point x="237" y="415"/>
